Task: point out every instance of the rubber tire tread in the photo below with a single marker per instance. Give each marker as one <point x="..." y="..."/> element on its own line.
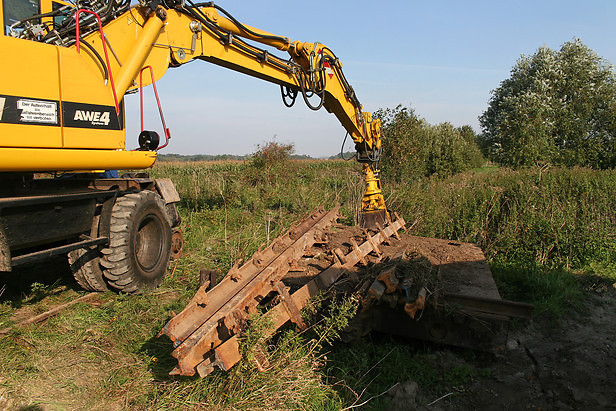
<point x="120" y="266"/>
<point x="86" y="269"/>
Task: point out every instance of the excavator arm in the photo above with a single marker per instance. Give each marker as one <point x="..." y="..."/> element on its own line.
<point x="312" y="71"/>
<point x="120" y="41"/>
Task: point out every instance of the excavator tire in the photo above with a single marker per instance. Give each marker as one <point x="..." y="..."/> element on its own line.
<point x="87" y="270"/>
<point x="139" y="244"/>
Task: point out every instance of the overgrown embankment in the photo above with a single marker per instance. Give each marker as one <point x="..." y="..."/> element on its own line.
<point x="555" y="218"/>
<point x="549" y="233"/>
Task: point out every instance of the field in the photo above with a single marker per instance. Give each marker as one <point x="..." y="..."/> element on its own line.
<point x="549" y="235"/>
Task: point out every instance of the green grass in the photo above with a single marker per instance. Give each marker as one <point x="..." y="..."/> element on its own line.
<point x="549" y="235"/>
<point x="368" y="368"/>
<point x="551" y="291"/>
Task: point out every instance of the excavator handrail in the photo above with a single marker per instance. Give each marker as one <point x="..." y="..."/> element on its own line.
<point x="100" y="28"/>
<point x="160" y="108"/>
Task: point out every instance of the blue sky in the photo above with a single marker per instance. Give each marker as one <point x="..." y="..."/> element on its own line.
<point x="442" y="58"/>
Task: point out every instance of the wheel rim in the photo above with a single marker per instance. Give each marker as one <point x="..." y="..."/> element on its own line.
<point x="149" y="243"/>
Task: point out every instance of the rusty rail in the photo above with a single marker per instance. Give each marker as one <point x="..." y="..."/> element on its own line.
<point x="206" y="333"/>
<point x="490" y="306"/>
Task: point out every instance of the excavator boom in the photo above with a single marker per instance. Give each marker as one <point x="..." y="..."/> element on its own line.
<point x="108" y="48"/>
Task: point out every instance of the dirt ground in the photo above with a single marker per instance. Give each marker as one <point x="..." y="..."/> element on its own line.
<point x="543" y="366"/>
<point x="571" y="367"/>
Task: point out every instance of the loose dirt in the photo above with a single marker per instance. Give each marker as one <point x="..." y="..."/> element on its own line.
<point x="568" y="366"/>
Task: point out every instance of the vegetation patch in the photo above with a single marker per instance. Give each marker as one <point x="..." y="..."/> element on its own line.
<point x="557" y="107"/>
<point x="549" y="234"/>
<point x="417" y="149"/>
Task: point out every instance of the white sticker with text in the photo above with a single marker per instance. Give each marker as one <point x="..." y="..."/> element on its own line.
<point x="36" y="111"/>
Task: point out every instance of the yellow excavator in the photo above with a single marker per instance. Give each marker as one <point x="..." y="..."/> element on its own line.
<point x="65" y="70"/>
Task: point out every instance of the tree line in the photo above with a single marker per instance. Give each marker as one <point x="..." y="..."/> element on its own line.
<point x="557" y="107"/>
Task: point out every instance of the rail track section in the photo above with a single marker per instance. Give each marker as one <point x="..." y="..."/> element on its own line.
<point x="206" y="333"/>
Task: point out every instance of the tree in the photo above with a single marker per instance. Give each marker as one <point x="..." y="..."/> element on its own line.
<point x="557" y="107"/>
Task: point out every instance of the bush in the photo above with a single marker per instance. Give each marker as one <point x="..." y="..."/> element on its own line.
<point x="412" y="148"/>
<point x="272" y="153"/>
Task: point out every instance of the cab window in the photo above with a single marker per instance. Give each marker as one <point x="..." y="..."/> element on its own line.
<point x="57" y="20"/>
<point x="16" y="10"/>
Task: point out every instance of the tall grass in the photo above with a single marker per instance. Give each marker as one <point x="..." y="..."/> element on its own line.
<point x="540" y="228"/>
<point x="535" y="225"/>
<point x="556" y="218"/>
<point x="230" y="209"/>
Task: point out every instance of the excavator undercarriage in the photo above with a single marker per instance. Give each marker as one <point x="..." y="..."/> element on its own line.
<point x="118" y="233"/>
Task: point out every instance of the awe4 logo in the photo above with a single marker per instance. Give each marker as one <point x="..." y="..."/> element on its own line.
<point x="93" y="117"/>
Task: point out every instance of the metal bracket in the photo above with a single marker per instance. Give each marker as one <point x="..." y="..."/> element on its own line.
<point x="290" y="306"/>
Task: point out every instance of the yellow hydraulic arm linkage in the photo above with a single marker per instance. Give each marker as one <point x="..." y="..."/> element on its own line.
<point x="107" y="59"/>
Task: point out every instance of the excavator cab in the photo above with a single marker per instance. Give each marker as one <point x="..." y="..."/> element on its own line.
<point x="14" y="11"/>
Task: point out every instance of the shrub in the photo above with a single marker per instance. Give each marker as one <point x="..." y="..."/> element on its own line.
<point x="412" y="148"/>
<point x="271" y="153"/>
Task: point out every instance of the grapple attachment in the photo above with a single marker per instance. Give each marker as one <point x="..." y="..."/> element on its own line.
<point x="372" y="219"/>
<point x="373" y="209"/>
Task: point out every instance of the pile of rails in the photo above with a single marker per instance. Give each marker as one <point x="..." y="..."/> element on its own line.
<point x="206" y="333"/>
<point x="425" y="288"/>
